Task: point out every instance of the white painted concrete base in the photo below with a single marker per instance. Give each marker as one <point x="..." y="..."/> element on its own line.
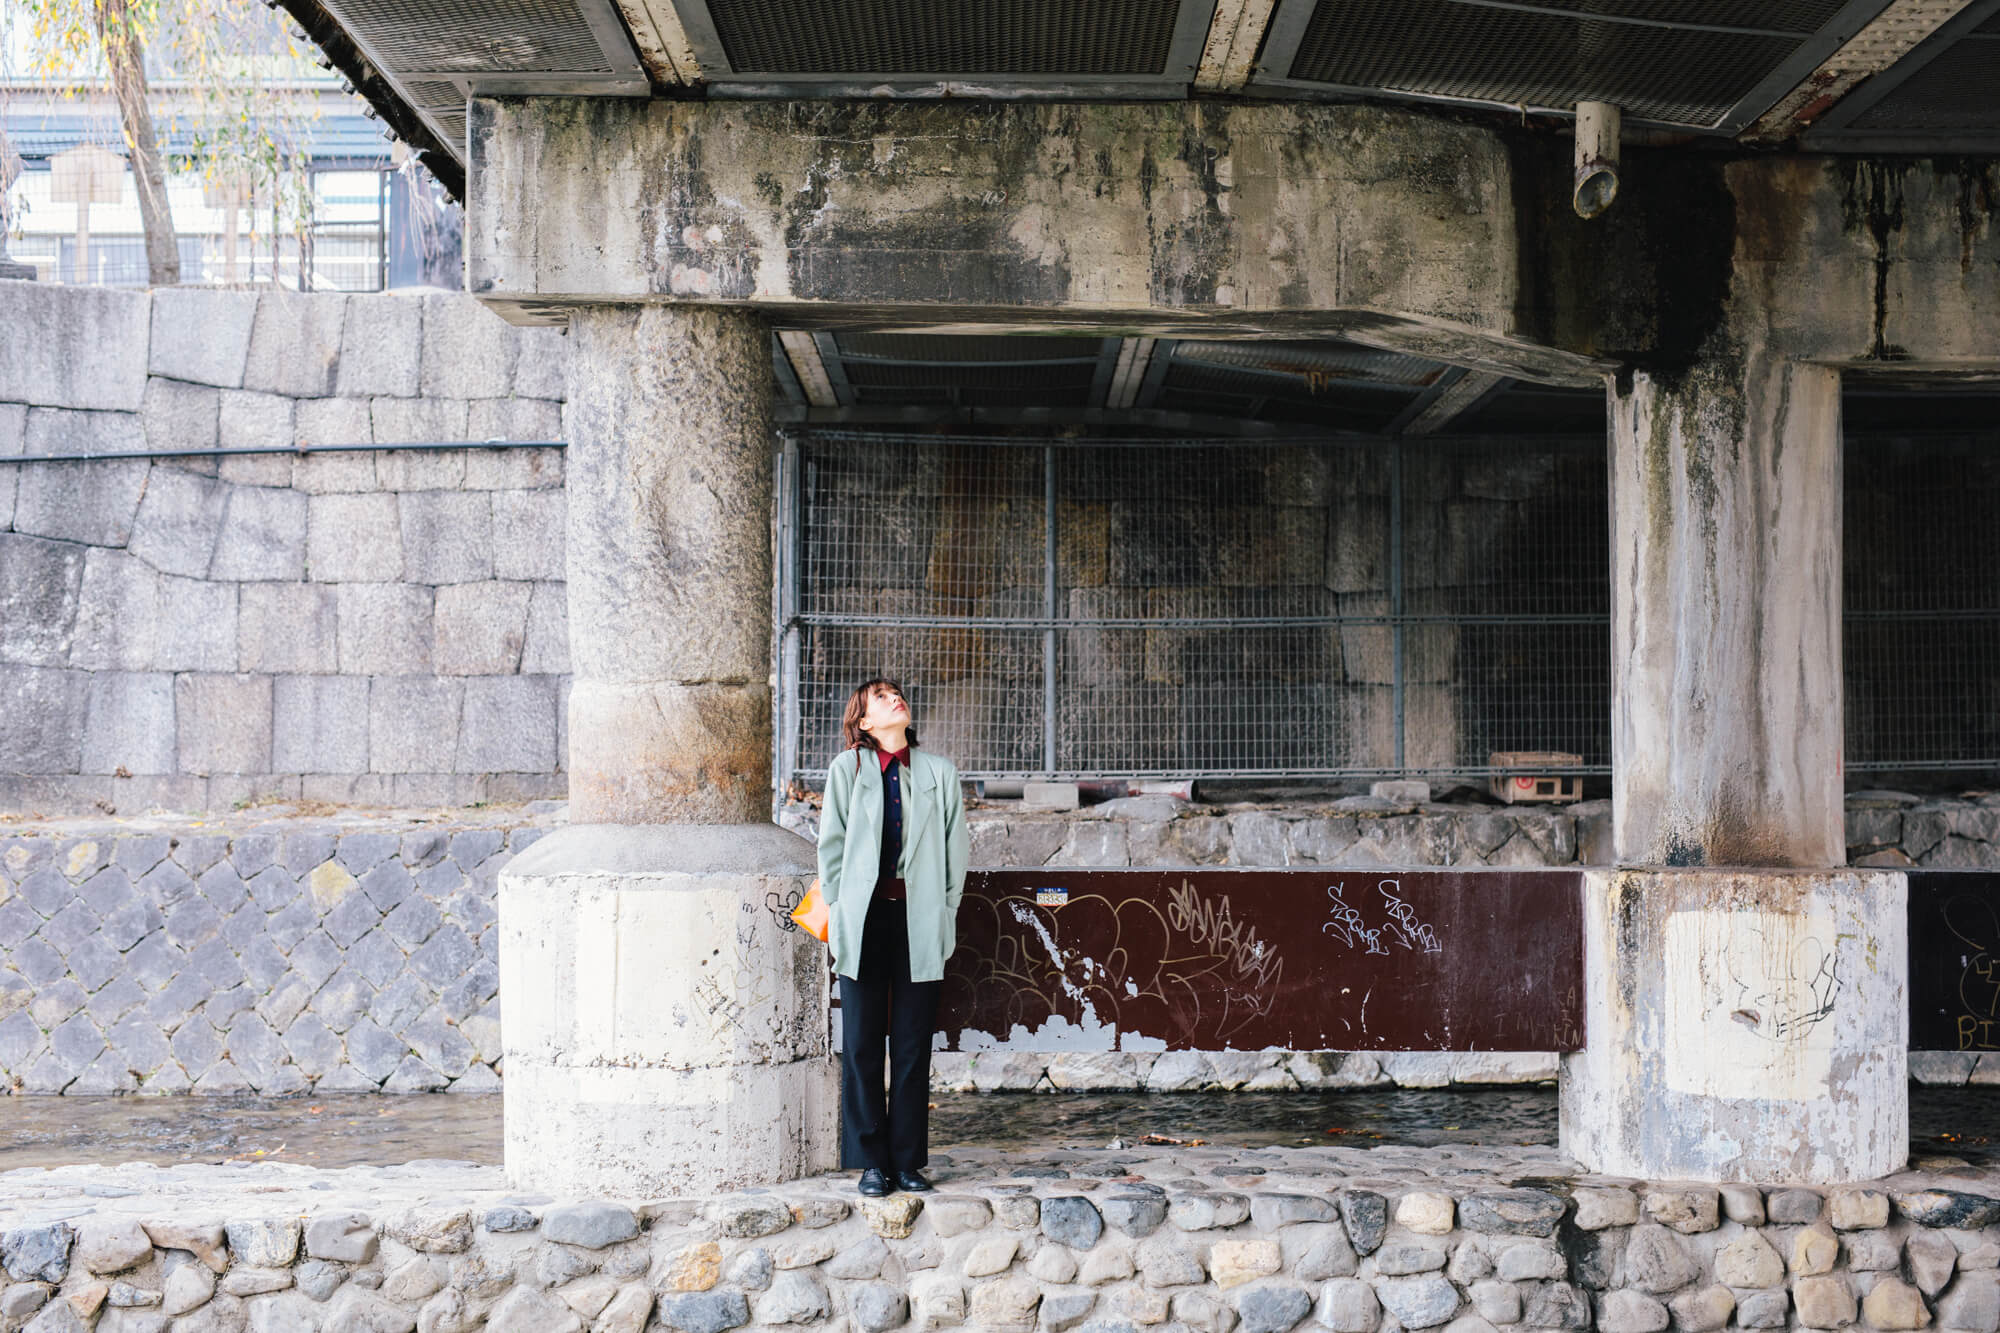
<point x="651" y="1132"/>
<point x="1742" y="1025"/>
<point x="666" y="1029"/>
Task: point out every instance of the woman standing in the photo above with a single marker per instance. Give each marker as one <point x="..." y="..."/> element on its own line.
<point x="892" y="854"/>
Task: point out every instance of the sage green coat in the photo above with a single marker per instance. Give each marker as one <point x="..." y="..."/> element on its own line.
<point x="936" y="847"/>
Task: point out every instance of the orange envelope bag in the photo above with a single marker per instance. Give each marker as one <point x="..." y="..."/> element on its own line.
<point x="811" y="913"/>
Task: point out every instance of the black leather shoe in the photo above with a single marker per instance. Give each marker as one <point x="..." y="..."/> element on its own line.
<point x="913" y="1182"/>
<point x="874" y="1184"/>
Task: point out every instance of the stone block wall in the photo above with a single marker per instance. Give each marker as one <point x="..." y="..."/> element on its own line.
<point x="1352" y="831"/>
<point x="371" y="627"/>
<point x="252" y="955"/>
<point x="1885" y="830"/>
<point x="1893" y="830"/>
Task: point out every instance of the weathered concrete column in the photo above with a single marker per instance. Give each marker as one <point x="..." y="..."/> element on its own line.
<point x="668" y="477"/>
<point x="1747" y="1023"/>
<point x="666" y="1026"/>
<point x="1725" y="627"/>
<point x="1742" y="1025"/>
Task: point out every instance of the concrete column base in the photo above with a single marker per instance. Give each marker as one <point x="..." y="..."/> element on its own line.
<point x="665" y="1028"/>
<point x="1742" y="1025"/>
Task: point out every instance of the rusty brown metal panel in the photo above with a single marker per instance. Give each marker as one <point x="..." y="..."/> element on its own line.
<point x="1325" y="959"/>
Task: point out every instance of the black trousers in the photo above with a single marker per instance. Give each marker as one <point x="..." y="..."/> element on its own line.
<point x="885" y="1006"/>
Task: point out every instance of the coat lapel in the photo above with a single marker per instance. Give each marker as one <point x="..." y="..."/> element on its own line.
<point x="864" y="816"/>
<point x="920" y="804"/>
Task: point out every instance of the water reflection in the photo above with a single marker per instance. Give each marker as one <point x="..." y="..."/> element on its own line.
<point x="358" y="1130"/>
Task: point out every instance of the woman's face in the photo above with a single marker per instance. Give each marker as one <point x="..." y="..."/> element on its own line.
<point x="886" y="710"/>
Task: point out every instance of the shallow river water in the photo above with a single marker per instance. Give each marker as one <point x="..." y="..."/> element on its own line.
<point x="356" y="1130"/>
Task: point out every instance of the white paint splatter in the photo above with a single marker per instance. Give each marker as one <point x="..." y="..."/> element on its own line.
<point x="1027" y="917"/>
<point x="1057" y="1034"/>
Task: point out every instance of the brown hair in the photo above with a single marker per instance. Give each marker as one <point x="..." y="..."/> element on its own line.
<point x="857" y="708"/>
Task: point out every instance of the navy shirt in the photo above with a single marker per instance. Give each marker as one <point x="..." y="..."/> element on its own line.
<point x="892" y="818"/>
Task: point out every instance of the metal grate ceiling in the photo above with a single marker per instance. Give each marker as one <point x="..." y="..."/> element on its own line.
<point x="1549" y="56"/>
<point x="434" y="93"/>
<point x="453" y="126"/>
<point x="983" y="384"/>
<point x="914" y="370"/>
<point x="1942" y="97"/>
<point x="1191" y="386"/>
<point x="443" y="104"/>
<point x="1958" y="91"/>
<point x="1799" y="17"/>
<point x="1712" y="66"/>
<point x="915" y="347"/>
<point x="477" y="36"/>
<point x="1246" y="387"/>
<point x="435" y="53"/>
<point x="1257" y="387"/>
<point x="946" y="36"/>
<point x="858" y="47"/>
<point x="1314" y="362"/>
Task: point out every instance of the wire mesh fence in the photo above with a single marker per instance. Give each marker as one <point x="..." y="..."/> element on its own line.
<point x="1921" y="633"/>
<point x="1100" y="607"/>
<point x="1135" y="608"/>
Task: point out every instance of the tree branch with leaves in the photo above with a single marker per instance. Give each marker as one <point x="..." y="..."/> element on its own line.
<point x="221" y="58"/>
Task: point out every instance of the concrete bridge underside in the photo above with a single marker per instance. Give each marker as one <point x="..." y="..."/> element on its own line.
<point x="1719" y="304"/>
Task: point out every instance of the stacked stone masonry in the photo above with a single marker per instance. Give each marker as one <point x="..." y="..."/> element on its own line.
<point x="188" y="633"/>
<point x="283" y="950"/>
<point x="1885" y="830"/>
<point x="1182" y="1239"/>
<point x="279" y="957"/>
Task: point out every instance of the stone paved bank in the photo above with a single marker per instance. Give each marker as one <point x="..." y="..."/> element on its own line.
<point x="254" y="954"/>
<point x="1186" y="1240"/>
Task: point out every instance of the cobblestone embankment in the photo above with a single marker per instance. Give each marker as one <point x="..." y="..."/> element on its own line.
<point x="1183" y="1239"/>
<point x="256" y="953"/>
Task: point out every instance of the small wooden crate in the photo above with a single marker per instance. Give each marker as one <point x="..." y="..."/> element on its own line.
<point x="1532" y="779"/>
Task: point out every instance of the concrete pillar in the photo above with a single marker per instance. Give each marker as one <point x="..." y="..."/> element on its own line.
<point x="666" y="1033"/>
<point x="1744" y="1025"/>
<point x="668" y="476"/>
<point x="1749" y="1023"/>
<point x="666" y="1027"/>
<point x="1725" y="628"/>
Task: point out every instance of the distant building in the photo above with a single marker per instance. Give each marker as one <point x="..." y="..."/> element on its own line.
<point x="374" y="225"/>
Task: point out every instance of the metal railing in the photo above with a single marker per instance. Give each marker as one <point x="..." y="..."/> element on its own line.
<point x="296" y="450"/>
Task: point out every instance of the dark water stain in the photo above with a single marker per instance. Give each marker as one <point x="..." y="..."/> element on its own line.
<point x="1646" y="284"/>
<point x="1680" y="851"/>
<point x="1976" y="195"/>
<point x="1872" y="199"/>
